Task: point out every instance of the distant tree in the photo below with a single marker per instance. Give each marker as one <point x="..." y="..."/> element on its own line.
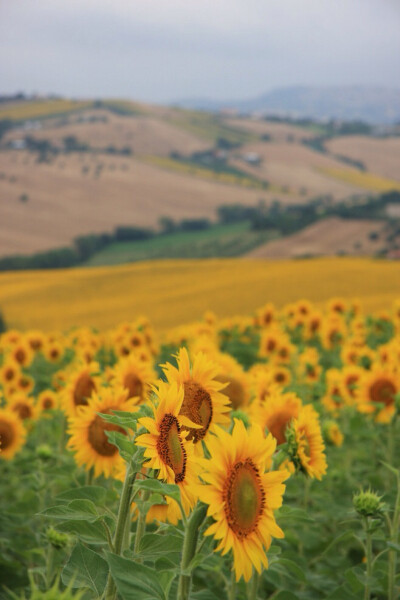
<point x="167" y="225"/>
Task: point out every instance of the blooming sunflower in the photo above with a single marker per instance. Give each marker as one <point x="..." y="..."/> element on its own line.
<point x="134" y="375"/>
<point x="309" y="443"/>
<point x="236" y="379"/>
<point x="276" y="413"/>
<point x="241" y="496"/>
<point x="47" y="401"/>
<point x="9" y="372"/>
<point x="23" y="406"/>
<point x="81" y="385"/>
<point x="377" y="392"/>
<point x="87" y="430"/>
<point x="22" y="353"/>
<point x="12" y="433"/>
<point x="203" y="403"/>
<point x="165" y="445"/>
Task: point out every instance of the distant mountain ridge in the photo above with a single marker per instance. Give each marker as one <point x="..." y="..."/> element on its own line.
<point x="375" y="105"/>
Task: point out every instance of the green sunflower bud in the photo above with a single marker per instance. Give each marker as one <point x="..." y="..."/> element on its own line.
<point x="57" y="539"/>
<point x="44" y="451"/>
<point x="368" y="504"/>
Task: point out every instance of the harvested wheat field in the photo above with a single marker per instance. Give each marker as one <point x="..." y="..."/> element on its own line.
<point x="327" y="237"/>
<point x="67" y="198"/>
<point x="142" y="134"/>
<point x="381" y="156"/>
<point x="171" y="293"/>
<point x="298" y="168"/>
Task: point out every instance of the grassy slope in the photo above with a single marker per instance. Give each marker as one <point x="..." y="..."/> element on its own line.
<point x="217" y="241"/>
<point x="173" y="292"/>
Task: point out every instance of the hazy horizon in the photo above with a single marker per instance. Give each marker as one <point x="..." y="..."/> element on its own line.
<point x="160" y="53"/>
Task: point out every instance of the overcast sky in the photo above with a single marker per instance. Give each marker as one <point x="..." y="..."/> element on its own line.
<point x="162" y="50"/>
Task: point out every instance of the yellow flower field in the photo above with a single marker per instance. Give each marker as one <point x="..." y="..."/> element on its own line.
<point x="174" y="292"/>
<point x="41" y="108"/>
<point x="369" y="181"/>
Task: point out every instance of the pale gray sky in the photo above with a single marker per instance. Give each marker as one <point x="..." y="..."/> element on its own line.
<point x="161" y="50"/>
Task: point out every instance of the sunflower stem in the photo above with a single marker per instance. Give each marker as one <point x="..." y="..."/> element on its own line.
<point x="141" y="524"/>
<point x="189" y="549"/>
<point x="367" y="591"/>
<point x="232" y="586"/>
<point x="394" y="537"/>
<point x="119" y="535"/>
<point x="253" y="586"/>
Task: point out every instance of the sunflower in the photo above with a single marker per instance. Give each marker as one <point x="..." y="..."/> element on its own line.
<point x="266" y="315"/>
<point x="12" y="433"/>
<point x="24" y="383"/>
<point x="47" y="401"/>
<point x="87" y="430"/>
<point x="81" y="385"/>
<point x="9" y="372"/>
<point x="313" y="324"/>
<point x="165" y="445"/>
<point x="270" y="340"/>
<point x="203" y="403"/>
<point x="309" y="444"/>
<point x="22" y="353"/>
<point x="333" y="332"/>
<point x="36" y="340"/>
<point x="53" y="351"/>
<point x="276" y="414"/>
<point x="134" y="375"/>
<point x="23" y="406"/>
<point x="241" y="496"/>
<point x="332" y="433"/>
<point x="336" y="392"/>
<point x="351" y="377"/>
<point x="309" y="369"/>
<point x="377" y="392"/>
<point x="236" y="379"/>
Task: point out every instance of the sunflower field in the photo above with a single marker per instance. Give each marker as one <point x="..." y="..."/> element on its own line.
<point x="237" y="458"/>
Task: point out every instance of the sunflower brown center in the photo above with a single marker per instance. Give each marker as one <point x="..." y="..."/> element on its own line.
<point x="54" y="353"/>
<point x="83" y="389"/>
<point x="170" y="447"/>
<point x="6" y="435"/>
<point x="244" y="498"/>
<point x="9" y="374"/>
<point x="383" y="391"/>
<point x="133" y="384"/>
<point x="24" y="410"/>
<point x="97" y="437"/>
<point x="234" y="390"/>
<point x="277" y="424"/>
<point x="197" y="406"/>
<point x="271" y="345"/>
<point x="24" y="382"/>
<point x="20" y="356"/>
<point x="47" y="404"/>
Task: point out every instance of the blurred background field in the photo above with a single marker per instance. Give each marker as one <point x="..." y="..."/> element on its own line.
<point x="171" y="293"/>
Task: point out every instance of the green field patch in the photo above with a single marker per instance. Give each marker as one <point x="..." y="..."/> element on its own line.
<point x="216" y="241"/>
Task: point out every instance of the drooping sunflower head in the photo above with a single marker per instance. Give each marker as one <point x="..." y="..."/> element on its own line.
<point x="12" y="434"/>
<point x="242" y="496"/>
<point x="81" y="384"/>
<point x="87" y="429"/>
<point x="203" y="403"/>
<point x="134" y="375"/>
<point x="166" y="445"/>
<point x="306" y="442"/>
